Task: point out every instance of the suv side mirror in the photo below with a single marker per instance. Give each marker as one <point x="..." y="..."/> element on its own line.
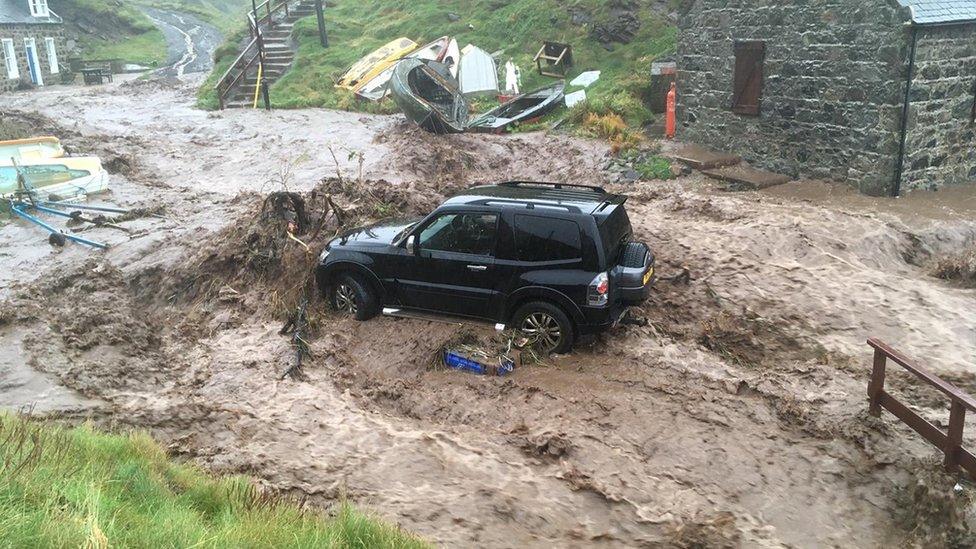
<point x="412" y="244"/>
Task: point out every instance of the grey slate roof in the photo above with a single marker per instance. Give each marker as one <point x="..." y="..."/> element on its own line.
<point x="17" y="11"/>
<point x="941" y="11"/>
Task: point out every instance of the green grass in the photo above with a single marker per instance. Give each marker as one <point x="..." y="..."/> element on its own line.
<point x="516" y="26"/>
<point x="112" y="29"/>
<point x="226" y="15"/>
<point x="73" y="487"/>
<point x="117" y="29"/>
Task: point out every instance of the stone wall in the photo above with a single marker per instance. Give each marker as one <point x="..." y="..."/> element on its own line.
<point x="833" y="87"/>
<point x="17" y="32"/>
<point x="941" y="145"/>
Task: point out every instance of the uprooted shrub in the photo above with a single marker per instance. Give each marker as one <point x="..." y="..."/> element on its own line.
<point x="935" y="509"/>
<point x="959" y="268"/>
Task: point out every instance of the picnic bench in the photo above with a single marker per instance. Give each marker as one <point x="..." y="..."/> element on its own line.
<point x="96" y="75"/>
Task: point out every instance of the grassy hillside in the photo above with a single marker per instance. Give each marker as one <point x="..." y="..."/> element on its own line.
<point x="111" y="29"/>
<point x="517" y="27"/>
<point x="226" y="15"/>
<point x="118" y="29"/>
<point x="81" y="488"/>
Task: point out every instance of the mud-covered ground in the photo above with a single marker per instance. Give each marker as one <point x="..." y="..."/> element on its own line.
<point x="735" y="416"/>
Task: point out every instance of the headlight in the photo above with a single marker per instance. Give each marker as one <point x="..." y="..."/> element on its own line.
<point x="324" y="254"/>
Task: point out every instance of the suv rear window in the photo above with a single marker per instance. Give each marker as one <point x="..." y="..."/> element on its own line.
<point x="546" y="239"/>
<point x="614" y="231"/>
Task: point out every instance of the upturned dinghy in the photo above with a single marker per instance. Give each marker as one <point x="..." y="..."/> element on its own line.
<point x="429" y="95"/>
<point x="520" y="109"/>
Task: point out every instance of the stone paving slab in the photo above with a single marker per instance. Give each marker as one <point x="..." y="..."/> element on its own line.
<point x="746" y="178"/>
<point x="703" y="158"/>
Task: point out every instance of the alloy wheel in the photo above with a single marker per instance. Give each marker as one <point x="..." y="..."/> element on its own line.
<point x="542" y="331"/>
<point x="345" y="299"/>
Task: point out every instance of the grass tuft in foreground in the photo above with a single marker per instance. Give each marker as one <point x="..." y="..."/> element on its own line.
<point x="76" y="487"/>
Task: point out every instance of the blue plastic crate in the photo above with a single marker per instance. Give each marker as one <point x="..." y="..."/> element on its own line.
<point x="457" y="361"/>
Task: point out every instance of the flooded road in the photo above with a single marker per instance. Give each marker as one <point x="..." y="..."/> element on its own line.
<point x="190" y="42"/>
<point x="734" y="416"/>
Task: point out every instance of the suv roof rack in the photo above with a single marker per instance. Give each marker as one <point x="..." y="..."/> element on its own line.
<point x="554" y="185"/>
<point x="532" y="205"/>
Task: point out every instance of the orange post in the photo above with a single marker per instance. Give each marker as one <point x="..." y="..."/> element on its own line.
<point x="672" y="105"/>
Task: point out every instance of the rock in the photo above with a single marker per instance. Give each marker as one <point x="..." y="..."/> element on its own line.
<point x="630" y="176"/>
<point x="580" y="17"/>
<point x="453" y="17"/>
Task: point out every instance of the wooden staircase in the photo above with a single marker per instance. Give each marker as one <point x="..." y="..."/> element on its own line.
<point x="270" y="52"/>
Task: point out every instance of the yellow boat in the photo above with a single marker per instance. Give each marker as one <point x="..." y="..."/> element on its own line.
<point x="42" y="162"/>
<point x="373" y="64"/>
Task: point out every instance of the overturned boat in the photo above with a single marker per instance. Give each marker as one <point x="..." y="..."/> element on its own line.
<point x="38" y="166"/>
<point x="375" y="63"/>
<point x="378" y="87"/>
<point x="429" y="95"/>
<point x="519" y="109"/>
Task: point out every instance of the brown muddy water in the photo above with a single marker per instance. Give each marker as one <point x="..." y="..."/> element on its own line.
<point x="735" y="417"/>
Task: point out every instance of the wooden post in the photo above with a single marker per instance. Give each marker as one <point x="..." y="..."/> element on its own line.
<point x="876" y="386"/>
<point x="286" y="8"/>
<point x="320" y="15"/>
<point x="266" y="94"/>
<point x="957" y="420"/>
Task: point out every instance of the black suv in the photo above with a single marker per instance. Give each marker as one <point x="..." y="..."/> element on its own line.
<point x="551" y="260"/>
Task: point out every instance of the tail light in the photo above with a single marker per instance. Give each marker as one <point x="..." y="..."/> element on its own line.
<point x="597" y="294"/>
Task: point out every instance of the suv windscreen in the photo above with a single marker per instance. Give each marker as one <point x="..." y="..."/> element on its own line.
<point x="469" y="233"/>
<point x="614" y="231"/>
<point x="546" y="239"/>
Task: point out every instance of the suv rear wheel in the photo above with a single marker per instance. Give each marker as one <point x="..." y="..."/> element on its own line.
<point x="545" y="327"/>
<point x="350" y="295"/>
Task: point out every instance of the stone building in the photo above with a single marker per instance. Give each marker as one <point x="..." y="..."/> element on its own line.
<point x="878" y="93"/>
<point x="31" y="40"/>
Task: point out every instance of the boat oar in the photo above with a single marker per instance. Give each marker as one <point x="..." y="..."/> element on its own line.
<point x="57" y="237"/>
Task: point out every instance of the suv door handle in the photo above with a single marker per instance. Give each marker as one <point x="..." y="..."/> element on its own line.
<point x="477" y="267"/>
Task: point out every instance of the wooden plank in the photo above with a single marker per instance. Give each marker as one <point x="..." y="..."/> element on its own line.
<point x="932" y="379"/>
<point x="928" y="431"/>
<point x="968" y="462"/>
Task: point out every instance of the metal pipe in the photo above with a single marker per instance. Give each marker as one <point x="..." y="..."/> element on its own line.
<point x="51" y="211"/>
<point x="84" y="207"/>
<point x="899" y="168"/>
<point x="17" y="210"/>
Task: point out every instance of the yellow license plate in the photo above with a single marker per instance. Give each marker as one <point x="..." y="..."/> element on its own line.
<point x="648" y="274"/>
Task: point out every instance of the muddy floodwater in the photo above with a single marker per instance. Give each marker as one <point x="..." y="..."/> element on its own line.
<point x="733" y="414"/>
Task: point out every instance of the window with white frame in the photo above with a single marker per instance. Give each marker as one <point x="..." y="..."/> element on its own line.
<point x="52" y="55"/>
<point x="38" y="8"/>
<point x="10" y="58"/>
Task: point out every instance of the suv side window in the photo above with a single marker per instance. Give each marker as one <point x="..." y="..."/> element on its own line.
<point x="546" y="239"/>
<point x="463" y="233"/>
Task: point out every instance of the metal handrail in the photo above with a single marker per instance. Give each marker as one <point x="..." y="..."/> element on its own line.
<point x="228" y="80"/>
<point x="949" y="442"/>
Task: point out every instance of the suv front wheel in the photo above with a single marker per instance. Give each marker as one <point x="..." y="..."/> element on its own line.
<point x="350" y="295"/>
<point x="544" y="326"/>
